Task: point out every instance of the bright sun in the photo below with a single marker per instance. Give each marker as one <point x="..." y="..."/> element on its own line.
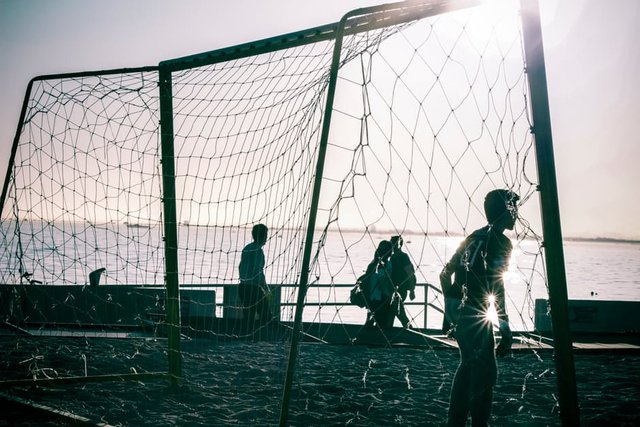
<point x="492" y="314"/>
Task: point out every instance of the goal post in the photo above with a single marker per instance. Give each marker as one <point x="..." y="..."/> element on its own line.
<point x="554" y="254"/>
<point x="66" y="216"/>
<point x="131" y="195"/>
<point x="170" y="226"/>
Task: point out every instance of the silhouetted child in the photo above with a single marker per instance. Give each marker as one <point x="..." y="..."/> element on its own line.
<point x="253" y="290"/>
<point x="403" y="276"/>
<point x="478" y="265"/>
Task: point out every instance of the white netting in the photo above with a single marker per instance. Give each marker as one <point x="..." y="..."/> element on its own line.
<point x="428" y="117"/>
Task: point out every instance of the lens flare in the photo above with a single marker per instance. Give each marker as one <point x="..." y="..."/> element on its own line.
<point x="492" y="314"/>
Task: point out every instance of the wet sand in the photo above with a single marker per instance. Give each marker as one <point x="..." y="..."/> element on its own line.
<point x="240" y="383"/>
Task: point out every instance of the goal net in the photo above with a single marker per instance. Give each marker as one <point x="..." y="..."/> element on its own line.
<point x="429" y="113"/>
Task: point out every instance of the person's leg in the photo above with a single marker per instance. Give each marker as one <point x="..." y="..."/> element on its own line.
<point x="460" y="396"/>
<point x="379" y="313"/>
<point x="376" y="312"/>
<point x="480" y="407"/>
<point x="385" y="315"/>
<point x="246" y="296"/>
<point x="467" y="337"/>
<point x="446" y="326"/>
<point x="370" y="319"/>
<point x="459" y="399"/>
<point x="402" y="315"/>
<point x="451" y="315"/>
<point x="484" y="378"/>
<point x="263" y="305"/>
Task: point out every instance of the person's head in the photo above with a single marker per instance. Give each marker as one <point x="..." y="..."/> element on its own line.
<point x="259" y="234"/>
<point x="501" y="208"/>
<point x="396" y="242"/>
<point x="383" y="252"/>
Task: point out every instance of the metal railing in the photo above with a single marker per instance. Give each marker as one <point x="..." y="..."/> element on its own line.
<point x="229" y="295"/>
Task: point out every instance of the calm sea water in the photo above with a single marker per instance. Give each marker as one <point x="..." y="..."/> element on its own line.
<point x="210" y="255"/>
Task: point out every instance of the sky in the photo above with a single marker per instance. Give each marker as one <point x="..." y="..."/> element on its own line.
<point x="591" y="51"/>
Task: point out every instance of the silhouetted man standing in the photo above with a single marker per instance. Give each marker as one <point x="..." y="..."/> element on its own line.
<point x="478" y="265"/>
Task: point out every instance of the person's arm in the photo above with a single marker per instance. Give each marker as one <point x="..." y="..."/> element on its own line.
<point x="506" y="337"/>
<point x="445" y="279"/>
<point x="412" y="287"/>
<point x="243" y="267"/>
<point x="498" y="267"/>
<point x="260" y="263"/>
<point x="450" y="305"/>
<point x="446" y="282"/>
<point x="499" y="300"/>
<point x="411" y="278"/>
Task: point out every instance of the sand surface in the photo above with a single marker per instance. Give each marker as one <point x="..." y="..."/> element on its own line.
<point x="241" y="383"/>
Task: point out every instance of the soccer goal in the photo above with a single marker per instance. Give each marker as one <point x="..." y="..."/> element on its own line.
<point x="131" y="193"/>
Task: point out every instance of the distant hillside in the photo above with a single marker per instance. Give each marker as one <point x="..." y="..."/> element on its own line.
<point x="601" y="240"/>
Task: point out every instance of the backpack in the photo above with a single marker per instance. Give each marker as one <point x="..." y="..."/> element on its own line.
<point x="357" y="295"/>
<point x="380" y="286"/>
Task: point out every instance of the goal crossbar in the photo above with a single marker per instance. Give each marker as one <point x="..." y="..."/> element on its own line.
<point x="360" y="20"/>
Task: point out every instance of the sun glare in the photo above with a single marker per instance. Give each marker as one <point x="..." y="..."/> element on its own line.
<point x="500" y="7"/>
<point x="493" y="19"/>
<point x="492" y="314"/>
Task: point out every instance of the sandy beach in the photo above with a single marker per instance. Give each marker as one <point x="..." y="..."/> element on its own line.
<point x="240" y="383"/>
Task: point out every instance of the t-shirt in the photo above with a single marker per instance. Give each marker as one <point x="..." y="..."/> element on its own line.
<point x="252" y="265"/>
<point x="479" y="264"/>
